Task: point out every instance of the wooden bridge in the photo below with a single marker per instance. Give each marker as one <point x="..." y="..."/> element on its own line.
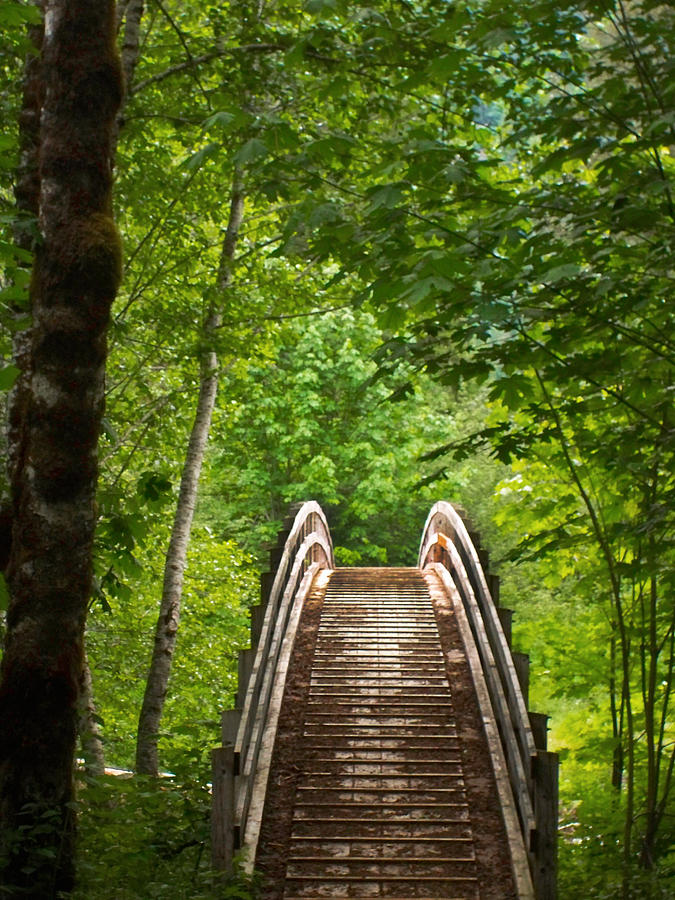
<point x="381" y="744"/>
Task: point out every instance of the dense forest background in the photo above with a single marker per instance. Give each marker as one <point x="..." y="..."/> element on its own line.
<point x="376" y="256"/>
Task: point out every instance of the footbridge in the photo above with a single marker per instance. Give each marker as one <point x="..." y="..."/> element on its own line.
<point x="381" y="744"/>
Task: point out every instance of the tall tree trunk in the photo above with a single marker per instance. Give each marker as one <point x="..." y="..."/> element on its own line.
<point x="75" y="278"/>
<point x="147" y="760"/>
<point x="616" y="710"/>
<point x="88" y="725"/>
<point x="651" y="689"/>
<point x="27" y="194"/>
<point x="629" y="815"/>
<point x="132" y="13"/>
<point x="89" y="729"/>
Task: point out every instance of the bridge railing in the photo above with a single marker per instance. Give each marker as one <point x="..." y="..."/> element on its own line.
<point x="532" y="771"/>
<point x="303" y="548"/>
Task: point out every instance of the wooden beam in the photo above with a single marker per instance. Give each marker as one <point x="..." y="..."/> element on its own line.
<point x="222" y="810"/>
<point x="538" y="724"/>
<point x="506" y="619"/>
<point x="522" y="663"/>
<point x="546" y="814"/>
<point x="257" y="613"/>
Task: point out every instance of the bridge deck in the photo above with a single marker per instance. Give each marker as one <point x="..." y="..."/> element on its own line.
<point x="381" y="783"/>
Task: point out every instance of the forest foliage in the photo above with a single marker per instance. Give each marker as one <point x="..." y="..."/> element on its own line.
<point x="453" y="279"/>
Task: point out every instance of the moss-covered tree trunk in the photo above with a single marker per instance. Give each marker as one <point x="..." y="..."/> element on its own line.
<point x="91" y="737"/>
<point x="147" y="759"/>
<point x="75" y="278"/>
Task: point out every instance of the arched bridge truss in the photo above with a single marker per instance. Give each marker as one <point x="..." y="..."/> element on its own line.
<point x="381" y="744"/>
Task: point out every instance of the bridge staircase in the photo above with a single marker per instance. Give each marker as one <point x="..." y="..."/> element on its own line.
<point x="381" y="745"/>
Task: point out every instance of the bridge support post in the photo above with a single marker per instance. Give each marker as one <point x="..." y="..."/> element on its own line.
<point x="244" y="669"/>
<point x="222" y="817"/>
<point x="506" y="619"/>
<point x="546" y="816"/>
<point x="539" y="725"/>
<point x="521" y="662"/>
<point x="266" y="582"/>
<point x="257" y="613"/>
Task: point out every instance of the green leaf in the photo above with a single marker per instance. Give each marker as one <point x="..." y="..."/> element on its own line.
<point x="497" y="37"/>
<point x="11" y="251"/>
<point x="326" y="148"/>
<point x="17" y="14"/>
<point x="15" y="294"/>
<point x="8" y="376"/>
<point x="455" y="174"/>
<point x="222" y="120"/>
<point x="393" y="317"/>
<point x="251" y="151"/>
<point x="324" y="214"/>
<point x="197" y="160"/>
<point x="513" y="391"/>
<point x="316" y="7"/>
<point x="387" y="197"/>
<point x="557" y="273"/>
<point x="445" y="64"/>
<point x="4" y="594"/>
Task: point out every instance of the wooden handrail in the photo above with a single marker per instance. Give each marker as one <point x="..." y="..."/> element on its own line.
<point x="307" y="549"/>
<point x="447" y="542"/>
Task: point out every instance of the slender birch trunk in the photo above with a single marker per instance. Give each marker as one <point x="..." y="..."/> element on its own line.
<point x="616" y="710"/>
<point x="130" y="13"/>
<point x="88" y="726"/>
<point x="133" y="14"/>
<point x="27" y="195"/>
<point x="54" y="472"/>
<point x="147" y="761"/>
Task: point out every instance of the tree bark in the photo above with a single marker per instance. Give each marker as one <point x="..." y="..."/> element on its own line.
<point x="147" y="757"/>
<point x="75" y="278"/>
<point x="616" y="712"/>
<point x="132" y="39"/>
<point x="131" y="13"/>
<point x="88" y="725"/>
<point x="27" y="195"/>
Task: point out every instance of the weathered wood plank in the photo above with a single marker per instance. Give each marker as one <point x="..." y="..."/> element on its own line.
<point x="539" y="724"/>
<point x="257" y="613"/>
<point x="222" y="814"/>
<point x="506" y="619"/>
<point x="546" y="811"/>
<point x="522" y="663"/>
